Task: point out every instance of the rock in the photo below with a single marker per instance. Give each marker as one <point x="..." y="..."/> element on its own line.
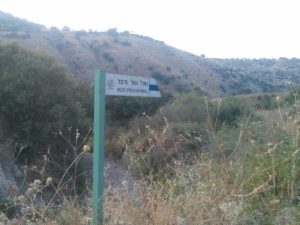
<point x="4" y="185"/>
<point x="7" y="184"/>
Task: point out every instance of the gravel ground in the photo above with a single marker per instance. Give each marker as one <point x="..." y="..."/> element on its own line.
<point x="116" y="171"/>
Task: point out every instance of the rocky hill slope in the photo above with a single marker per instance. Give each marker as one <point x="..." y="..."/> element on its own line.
<point x="124" y="53"/>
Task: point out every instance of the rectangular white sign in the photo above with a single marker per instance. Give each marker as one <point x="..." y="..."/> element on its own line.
<point x="123" y="85"/>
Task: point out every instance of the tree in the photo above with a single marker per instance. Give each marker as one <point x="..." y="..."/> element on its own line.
<point x="37" y="98"/>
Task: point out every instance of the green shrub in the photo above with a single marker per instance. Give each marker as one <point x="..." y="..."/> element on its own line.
<point x="85" y="92"/>
<point x="266" y="102"/>
<point x="188" y="107"/>
<point x="108" y="57"/>
<point x="232" y="109"/>
<point x="124" y="108"/>
<point x="37" y="97"/>
<point x="164" y="79"/>
<point x="226" y="141"/>
<point x="293" y="96"/>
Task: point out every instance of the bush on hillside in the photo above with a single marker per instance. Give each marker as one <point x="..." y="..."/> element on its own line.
<point x="266" y="102"/>
<point x="188" y="107"/>
<point x="164" y="79"/>
<point x="124" y="108"/>
<point x="293" y="96"/>
<point x="37" y="97"/>
<point x="232" y="109"/>
<point x="85" y="93"/>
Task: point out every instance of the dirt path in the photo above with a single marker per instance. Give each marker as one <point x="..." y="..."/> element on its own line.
<point x="116" y="173"/>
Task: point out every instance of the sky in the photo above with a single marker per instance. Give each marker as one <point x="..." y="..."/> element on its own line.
<point x="215" y="28"/>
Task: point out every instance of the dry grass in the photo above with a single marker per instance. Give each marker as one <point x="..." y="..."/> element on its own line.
<point x="252" y="189"/>
<point x="193" y="196"/>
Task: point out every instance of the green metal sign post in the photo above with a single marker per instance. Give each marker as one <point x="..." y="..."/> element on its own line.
<point x="98" y="157"/>
<point x="117" y="85"/>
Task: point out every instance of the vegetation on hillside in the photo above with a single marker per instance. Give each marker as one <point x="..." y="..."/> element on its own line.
<point x="38" y="99"/>
<point x="176" y="71"/>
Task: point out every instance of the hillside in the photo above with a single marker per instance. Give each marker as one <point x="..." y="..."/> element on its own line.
<point x="191" y="160"/>
<point x="125" y="53"/>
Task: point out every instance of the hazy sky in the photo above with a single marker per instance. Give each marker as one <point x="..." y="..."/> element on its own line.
<point x="216" y="28"/>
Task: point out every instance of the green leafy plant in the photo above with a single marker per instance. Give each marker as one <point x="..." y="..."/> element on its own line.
<point x="37" y="97"/>
<point x="232" y="109"/>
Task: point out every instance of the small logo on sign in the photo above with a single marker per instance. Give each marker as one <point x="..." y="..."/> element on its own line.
<point x="110" y="84"/>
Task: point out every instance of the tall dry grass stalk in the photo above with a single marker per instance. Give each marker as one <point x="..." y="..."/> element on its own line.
<point x="192" y="197"/>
